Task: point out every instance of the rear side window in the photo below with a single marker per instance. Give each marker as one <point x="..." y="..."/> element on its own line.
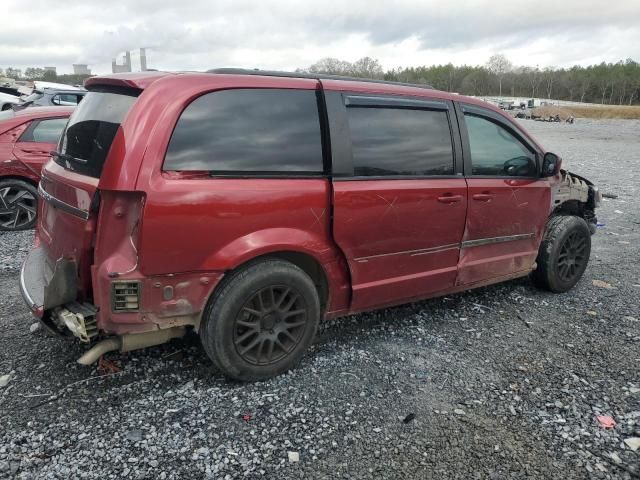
<point x="395" y="141"/>
<point x="92" y="127"/>
<point x="248" y="131"/>
<point x="44" y="131"/>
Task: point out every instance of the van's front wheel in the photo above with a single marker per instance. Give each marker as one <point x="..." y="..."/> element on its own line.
<point x="563" y="255"/>
<point x="261" y="320"/>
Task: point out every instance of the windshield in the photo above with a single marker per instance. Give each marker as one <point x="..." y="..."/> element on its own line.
<point x="86" y="141"/>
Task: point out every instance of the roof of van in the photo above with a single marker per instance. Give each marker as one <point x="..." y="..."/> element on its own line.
<point x="141" y="80"/>
<point x="313" y="76"/>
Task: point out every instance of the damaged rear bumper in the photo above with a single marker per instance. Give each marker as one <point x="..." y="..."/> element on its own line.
<point x="44" y="286"/>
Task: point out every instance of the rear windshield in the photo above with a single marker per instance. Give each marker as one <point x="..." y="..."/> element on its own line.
<point x="86" y="141"/>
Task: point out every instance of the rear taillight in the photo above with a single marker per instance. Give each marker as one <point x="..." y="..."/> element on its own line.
<point x="125" y="296"/>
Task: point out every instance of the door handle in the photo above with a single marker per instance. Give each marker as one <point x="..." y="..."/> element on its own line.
<point x="482" y="197"/>
<point x="450" y="198"/>
<point x="39" y="152"/>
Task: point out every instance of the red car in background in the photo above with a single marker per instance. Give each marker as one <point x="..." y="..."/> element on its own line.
<point x="26" y="139"/>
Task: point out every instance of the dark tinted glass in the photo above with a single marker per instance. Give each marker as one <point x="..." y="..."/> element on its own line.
<point x="246" y="130"/>
<point x="87" y="139"/>
<point x="496" y="152"/>
<point x="394" y="141"/>
<point x="45" y="131"/>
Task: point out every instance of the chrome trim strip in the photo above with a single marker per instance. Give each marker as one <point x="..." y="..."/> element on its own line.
<point x="62" y="205"/>
<point x="421" y="251"/>
<point x="492" y="240"/>
<point x="23" y="290"/>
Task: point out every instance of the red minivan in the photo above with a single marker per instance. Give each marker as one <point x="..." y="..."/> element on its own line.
<point x="248" y="206"/>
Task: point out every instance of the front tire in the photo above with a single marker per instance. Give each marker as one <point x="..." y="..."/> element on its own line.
<point x="18" y="205"/>
<point x="563" y="255"/>
<point x="261" y="320"/>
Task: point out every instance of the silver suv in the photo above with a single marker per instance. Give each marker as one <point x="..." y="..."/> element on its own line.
<point x="47" y="97"/>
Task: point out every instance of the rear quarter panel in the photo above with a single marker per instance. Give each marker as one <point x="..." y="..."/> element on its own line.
<point x="217" y="224"/>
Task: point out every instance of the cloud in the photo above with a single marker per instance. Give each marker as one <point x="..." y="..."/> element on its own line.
<point x="200" y="34"/>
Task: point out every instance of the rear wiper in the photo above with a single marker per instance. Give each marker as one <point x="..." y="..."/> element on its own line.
<point x="65" y="156"/>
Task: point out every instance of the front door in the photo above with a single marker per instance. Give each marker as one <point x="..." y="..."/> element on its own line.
<point x="508" y="201"/>
<point x="399" y="201"/>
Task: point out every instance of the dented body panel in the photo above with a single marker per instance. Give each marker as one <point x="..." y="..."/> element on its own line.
<point x="151" y="246"/>
<point x="569" y="187"/>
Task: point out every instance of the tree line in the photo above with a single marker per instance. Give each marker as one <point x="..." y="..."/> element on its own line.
<point x="35" y="73"/>
<point x="606" y="83"/>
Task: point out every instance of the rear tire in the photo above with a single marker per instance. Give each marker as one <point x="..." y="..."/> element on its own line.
<point x="261" y="320"/>
<point x="563" y="255"/>
<point x="18" y="205"/>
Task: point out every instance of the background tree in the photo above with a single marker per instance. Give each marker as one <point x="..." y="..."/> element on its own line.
<point x="14" y="73"/>
<point x="617" y="83"/>
<point x="331" y="66"/>
<point x="49" y="76"/>
<point x="549" y="78"/>
<point x="533" y="78"/>
<point x="499" y="65"/>
<point x="34" y="73"/>
<point x="367" y="67"/>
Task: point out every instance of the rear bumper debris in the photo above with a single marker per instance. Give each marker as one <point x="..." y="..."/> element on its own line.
<point x="44" y="286"/>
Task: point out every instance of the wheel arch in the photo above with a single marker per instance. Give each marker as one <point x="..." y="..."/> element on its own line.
<point x="30" y="180"/>
<point x="307" y="262"/>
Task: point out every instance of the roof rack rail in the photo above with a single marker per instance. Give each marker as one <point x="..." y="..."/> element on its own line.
<point x="314" y="76"/>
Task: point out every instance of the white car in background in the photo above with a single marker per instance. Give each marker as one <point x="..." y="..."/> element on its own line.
<point x="7" y="100"/>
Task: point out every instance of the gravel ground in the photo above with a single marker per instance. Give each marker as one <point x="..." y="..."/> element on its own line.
<point x="502" y="382"/>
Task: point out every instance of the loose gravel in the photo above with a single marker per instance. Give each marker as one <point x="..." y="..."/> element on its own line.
<point x="502" y="382"/>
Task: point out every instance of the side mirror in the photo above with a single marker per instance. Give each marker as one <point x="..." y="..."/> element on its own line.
<point x="56" y="100"/>
<point x="551" y="164"/>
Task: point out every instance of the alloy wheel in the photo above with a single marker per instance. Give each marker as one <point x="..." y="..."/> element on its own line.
<point x="572" y="256"/>
<point x="270" y="325"/>
<point x="17" y="207"/>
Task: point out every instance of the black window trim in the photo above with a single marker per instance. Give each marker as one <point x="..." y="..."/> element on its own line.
<point x="241" y="174"/>
<point x="341" y="148"/>
<point x="32" y="126"/>
<point x="465" y="108"/>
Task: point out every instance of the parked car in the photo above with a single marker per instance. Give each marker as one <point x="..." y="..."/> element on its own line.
<point x="51" y="96"/>
<point x="26" y="139"/>
<point x="248" y="206"/>
<point x="8" y="100"/>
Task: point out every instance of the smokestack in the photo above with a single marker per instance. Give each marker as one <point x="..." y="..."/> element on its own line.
<point x="127" y="61"/>
<point x="143" y="59"/>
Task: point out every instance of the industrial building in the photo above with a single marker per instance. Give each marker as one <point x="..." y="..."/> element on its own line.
<point x="126" y="65"/>
<point x="81" y="69"/>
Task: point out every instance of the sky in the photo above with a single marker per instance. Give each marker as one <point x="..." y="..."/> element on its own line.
<point x="285" y="34"/>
